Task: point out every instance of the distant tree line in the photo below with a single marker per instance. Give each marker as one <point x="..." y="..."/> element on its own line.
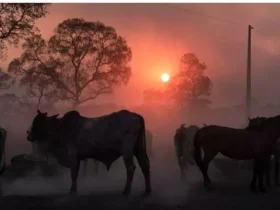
<point x="189" y="87"/>
<point x="83" y="60"/>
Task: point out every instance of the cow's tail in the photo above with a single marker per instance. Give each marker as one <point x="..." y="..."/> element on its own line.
<point x="142" y="156"/>
<point x="143" y="132"/>
<point x="197" y="149"/>
<point x="2" y="158"/>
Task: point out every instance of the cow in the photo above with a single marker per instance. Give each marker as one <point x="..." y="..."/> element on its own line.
<point x="73" y="138"/>
<point x="183" y="140"/>
<point x="3" y="136"/>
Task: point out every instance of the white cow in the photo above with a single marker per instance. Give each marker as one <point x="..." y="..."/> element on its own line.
<point x="183" y="141"/>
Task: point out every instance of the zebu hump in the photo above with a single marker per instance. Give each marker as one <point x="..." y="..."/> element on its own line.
<point x="107" y="127"/>
<point x="72" y="115"/>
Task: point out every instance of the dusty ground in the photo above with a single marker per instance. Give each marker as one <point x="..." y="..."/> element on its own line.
<point x="103" y="191"/>
<point x="227" y="195"/>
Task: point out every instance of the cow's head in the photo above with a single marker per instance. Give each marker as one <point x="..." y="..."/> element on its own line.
<point x="255" y="123"/>
<point x="41" y="127"/>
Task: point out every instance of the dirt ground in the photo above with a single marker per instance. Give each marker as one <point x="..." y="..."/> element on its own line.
<point x="103" y="191"/>
<point x="226" y="196"/>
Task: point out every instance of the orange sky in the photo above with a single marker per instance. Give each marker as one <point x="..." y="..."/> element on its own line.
<point x="160" y="34"/>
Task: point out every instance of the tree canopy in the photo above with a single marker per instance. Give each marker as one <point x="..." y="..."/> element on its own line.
<point x="190" y="85"/>
<point x="17" y="21"/>
<point x="80" y="61"/>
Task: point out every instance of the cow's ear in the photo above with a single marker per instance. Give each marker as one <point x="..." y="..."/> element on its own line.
<point x="38" y="111"/>
<point x="45" y="113"/>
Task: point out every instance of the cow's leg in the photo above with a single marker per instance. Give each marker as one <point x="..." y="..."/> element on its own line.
<point x="144" y="164"/>
<point x="182" y="169"/>
<point x="130" y="169"/>
<point x="85" y="167"/>
<point x="267" y="170"/>
<point x="203" y="165"/>
<point x="182" y="173"/>
<point x="128" y="147"/>
<point x="255" y="176"/>
<point x="75" y="166"/>
<point x="276" y="168"/>
<point x="263" y="169"/>
<point x="96" y="166"/>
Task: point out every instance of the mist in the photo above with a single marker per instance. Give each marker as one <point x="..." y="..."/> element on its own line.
<point x="159" y="35"/>
<point x="165" y="174"/>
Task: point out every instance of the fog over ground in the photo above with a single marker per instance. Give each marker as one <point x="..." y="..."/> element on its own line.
<point x="168" y="189"/>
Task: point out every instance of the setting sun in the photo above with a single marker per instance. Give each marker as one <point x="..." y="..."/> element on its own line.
<point x="165" y="77"/>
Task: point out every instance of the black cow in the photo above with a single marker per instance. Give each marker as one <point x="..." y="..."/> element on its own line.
<point x="73" y="138"/>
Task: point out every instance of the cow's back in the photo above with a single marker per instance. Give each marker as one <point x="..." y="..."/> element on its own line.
<point x="102" y="133"/>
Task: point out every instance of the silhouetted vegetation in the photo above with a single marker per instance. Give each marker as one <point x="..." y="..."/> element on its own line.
<point x="81" y="61"/>
<point x="188" y="87"/>
<point x="6" y="80"/>
<point x="17" y="21"/>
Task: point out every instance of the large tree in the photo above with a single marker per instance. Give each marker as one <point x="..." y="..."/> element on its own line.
<point x="40" y="87"/>
<point x="17" y="21"/>
<point x="81" y="61"/>
<point x="190" y="86"/>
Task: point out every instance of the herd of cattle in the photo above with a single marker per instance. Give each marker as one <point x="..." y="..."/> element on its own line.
<point x="74" y="138"/>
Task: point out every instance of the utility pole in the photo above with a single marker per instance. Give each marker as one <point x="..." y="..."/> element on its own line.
<point x="248" y="89"/>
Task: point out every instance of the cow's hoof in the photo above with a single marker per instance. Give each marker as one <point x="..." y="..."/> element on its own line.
<point x="72" y="192"/>
<point x="263" y="190"/>
<point x="146" y="194"/>
<point x="254" y="190"/>
<point x="126" y="193"/>
<point x="209" y="188"/>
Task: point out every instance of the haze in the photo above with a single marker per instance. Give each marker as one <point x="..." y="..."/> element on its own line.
<point x="160" y="34"/>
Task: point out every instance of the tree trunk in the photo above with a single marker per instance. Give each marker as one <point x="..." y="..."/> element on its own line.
<point x="39" y="101"/>
<point x="75" y="104"/>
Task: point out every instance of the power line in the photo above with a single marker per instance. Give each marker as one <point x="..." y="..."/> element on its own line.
<point x="248" y="90"/>
<point x="219" y="19"/>
<point x="261" y="33"/>
<point x="206" y="15"/>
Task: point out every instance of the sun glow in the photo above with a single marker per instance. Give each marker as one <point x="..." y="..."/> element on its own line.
<point x="165" y="77"/>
